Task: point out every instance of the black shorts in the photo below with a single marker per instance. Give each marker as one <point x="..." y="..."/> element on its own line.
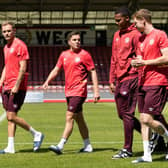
<point x="13" y="103"/>
<point x="75" y="103"/>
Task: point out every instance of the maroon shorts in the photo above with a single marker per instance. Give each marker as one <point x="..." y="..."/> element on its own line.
<point x="75" y="103"/>
<point x="13" y="103"/>
<point x="151" y="99"/>
<point x="126" y="97"/>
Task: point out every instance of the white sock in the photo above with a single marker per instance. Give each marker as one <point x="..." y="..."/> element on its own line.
<point x="10" y="148"/>
<point x="33" y="131"/>
<point x="61" y="143"/>
<point x="147" y="152"/>
<point x="165" y="135"/>
<point x="86" y="142"/>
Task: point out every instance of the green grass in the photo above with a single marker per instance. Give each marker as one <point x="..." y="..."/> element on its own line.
<point x="106" y="134"/>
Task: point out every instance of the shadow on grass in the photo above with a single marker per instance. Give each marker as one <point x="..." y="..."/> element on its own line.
<point x="161" y="158"/>
<point x="45" y="150"/>
<point x="105" y="149"/>
<point x="137" y="154"/>
<point x="94" y="150"/>
<point x="41" y="150"/>
<point x="67" y="152"/>
<point x="158" y="159"/>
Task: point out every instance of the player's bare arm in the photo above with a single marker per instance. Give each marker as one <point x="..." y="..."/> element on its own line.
<point x="22" y="70"/>
<point x="51" y="76"/>
<point x="112" y="87"/>
<point x="95" y="85"/>
<point x="158" y="61"/>
<point x="2" y="77"/>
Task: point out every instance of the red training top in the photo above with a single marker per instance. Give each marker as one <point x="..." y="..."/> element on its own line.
<point x="76" y="67"/>
<point x="123" y="50"/>
<point x="149" y="47"/>
<point x="14" y="53"/>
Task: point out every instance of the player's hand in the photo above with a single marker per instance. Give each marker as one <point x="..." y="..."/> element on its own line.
<point x="14" y="90"/>
<point x="138" y="61"/>
<point x="96" y="99"/>
<point x="112" y="88"/>
<point x="45" y="86"/>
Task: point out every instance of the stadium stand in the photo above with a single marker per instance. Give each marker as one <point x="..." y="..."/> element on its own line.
<point x="43" y="59"/>
<point x="97" y="15"/>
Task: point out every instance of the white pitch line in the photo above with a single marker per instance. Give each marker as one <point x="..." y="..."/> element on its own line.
<point x="3" y="116"/>
<point x="73" y="143"/>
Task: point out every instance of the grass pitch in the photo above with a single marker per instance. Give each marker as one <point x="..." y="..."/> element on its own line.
<point x="106" y="135"/>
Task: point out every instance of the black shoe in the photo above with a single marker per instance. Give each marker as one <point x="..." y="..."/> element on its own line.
<point x="153" y="141"/>
<point x="166" y="157"/>
<point x="157" y="143"/>
<point x="123" y="153"/>
<point x="161" y="145"/>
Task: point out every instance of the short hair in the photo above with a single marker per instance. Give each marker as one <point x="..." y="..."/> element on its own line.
<point x="71" y="34"/>
<point x="143" y="14"/>
<point x="124" y="11"/>
<point x="8" y="23"/>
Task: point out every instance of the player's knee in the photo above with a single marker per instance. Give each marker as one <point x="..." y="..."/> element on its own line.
<point x="69" y="119"/>
<point x="10" y="117"/>
<point x="145" y="120"/>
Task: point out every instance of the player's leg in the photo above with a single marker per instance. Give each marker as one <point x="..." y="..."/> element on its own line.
<point x="12" y="117"/>
<point x="126" y="98"/>
<point x="66" y="133"/>
<point x="11" y="134"/>
<point x="145" y="130"/>
<point x="128" y="107"/>
<point x="14" y="104"/>
<point x="133" y="94"/>
<point x="157" y="142"/>
<point x="154" y="103"/>
<point x="74" y="107"/>
<point x="11" y="127"/>
<point x="38" y="136"/>
<point x="159" y="123"/>
<point x="69" y="124"/>
<point x="70" y="115"/>
<point x="83" y="129"/>
<point x="128" y="125"/>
